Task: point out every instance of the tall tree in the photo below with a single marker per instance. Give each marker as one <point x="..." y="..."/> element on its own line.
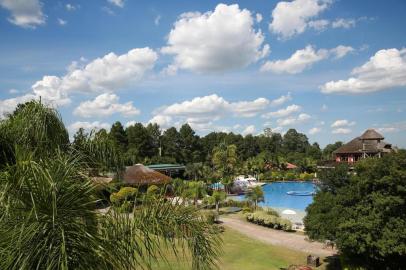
<point x="189" y="145"/>
<point x="155" y="134"/>
<point x="225" y="161"/>
<point x="119" y="137"/>
<point x="139" y="143"/>
<point x="171" y="144"/>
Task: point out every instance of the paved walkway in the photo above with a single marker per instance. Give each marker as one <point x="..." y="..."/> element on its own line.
<point x="275" y="237"/>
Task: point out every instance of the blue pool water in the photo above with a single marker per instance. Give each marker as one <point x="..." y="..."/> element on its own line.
<point x="275" y="195"/>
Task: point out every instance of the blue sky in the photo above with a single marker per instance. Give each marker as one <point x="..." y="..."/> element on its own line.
<point x="328" y="68"/>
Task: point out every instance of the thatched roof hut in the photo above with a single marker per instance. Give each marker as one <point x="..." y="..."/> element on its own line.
<point x="140" y="175"/>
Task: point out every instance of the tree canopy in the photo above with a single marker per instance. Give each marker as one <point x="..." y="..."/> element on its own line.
<point x="364" y="213"/>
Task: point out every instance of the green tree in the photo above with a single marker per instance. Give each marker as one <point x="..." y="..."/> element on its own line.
<point x="195" y="190"/>
<point x="255" y="195"/>
<point x="225" y="161"/>
<point x="171" y="144"/>
<point x="189" y="145"/>
<point x="194" y="170"/>
<point x="49" y="217"/>
<point x="155" y="134"/>
<point x="364" y="213"/>
<point x="330" y="148"/>
<point x="119" y="137"/>
<point x="216" y="198"/>
<point x="140" y="143"/>
<point x="294" y="141"/>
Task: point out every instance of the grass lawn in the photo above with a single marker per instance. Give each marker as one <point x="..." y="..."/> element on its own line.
<point x="242" y="252"/>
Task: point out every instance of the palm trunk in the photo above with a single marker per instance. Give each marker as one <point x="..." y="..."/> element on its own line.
<point x="217" y="208"/>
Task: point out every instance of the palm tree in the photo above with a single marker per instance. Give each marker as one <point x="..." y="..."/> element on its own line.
<point x="48" y="215"/>
<point x="195" y="190"/>
<point x="216" y="198"/>
<point x="224" y="160"/>
<point x="194" y="170"/>
<point x="255" y="195"/>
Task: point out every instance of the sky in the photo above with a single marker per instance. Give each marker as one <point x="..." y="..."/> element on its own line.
<point x="328" y="68"/>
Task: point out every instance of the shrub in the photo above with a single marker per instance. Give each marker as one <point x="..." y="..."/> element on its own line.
<point x="152" y="190"/>
<point x="124" y="194"/>
<point x="271" y="211"/>
<point x="270" y="221"/>
<point x="246" y="210"/>
<point x="211" y="217"/>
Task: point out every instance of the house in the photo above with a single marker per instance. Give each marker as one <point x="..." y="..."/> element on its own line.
<point x="369" y="144"/>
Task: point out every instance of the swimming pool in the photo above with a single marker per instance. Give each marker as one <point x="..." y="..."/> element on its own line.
<point x="276" y="195"/>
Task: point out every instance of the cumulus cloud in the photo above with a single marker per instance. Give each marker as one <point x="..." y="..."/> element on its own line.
<point x="201" y="112"/>
<point x="290" y="121"/>
<point x="249" y="130"/>
<point x="118" y="3"/>
<point x="298" y="62"/>
<point x="386" y="69"/>
<point x="27" y="13"/>
<point x="105" y="105"/>
<point x="341" y="131"/>
<point x="88" y="126"/>
<point x="341" y="51"/>
<point x="342" y="123"/>
<point x="292" y="18"/>
<point x="281" y="100"/>
<point x="303" y="59"/>
<point x="215" y="41"/>
<point x="392" y="127"/>
<point x="105" y="74"/>
<point x="283" y="112"/>
<point x="314" y="130"/>
<point x="8" y="105"/>
<point x="319" y="25"/>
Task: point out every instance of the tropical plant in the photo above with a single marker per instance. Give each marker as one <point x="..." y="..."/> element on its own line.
<point x="255" y="195"/>
<point x="195" y="190"/>
<point x="224" y="161"/>
<point x="48" y="209"/>
<point x="216" y="198"/>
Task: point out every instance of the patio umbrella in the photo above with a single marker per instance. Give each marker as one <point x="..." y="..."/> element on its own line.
<point x="288" y="212"/>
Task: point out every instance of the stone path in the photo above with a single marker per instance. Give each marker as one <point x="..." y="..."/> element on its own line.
<point x="275" y="237"/>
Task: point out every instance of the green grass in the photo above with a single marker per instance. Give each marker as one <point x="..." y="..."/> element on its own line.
<point x="242" y="252"/>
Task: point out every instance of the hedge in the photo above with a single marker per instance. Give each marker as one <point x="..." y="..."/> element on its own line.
<point x="270" y="221"/>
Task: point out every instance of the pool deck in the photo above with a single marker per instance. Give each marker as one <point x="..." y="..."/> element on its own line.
<point x="289" y="240"/>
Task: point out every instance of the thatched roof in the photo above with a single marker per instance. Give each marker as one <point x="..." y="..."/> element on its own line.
<point x="358" y="145"/>
<point x="371" y="134"/>
<point x="138" y="174"/>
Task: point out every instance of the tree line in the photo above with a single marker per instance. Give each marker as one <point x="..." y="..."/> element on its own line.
<point x="149" y="144"/>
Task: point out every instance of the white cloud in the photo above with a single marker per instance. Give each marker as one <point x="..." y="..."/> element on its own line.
<point x="277" y="130"/>
<point x="157" y="20"/>
<point x="105" y="105"/>
<point x="281" y="100"/>
<point x="201" y="112"/>
<point x="292" y="18"/>
<point x="164" y="121"/>
<point x="386" y="69"/>
<point x="392" y="127"/>
<point x="305" y="58"/>
<point x="341" y="51"/>
<point x="298" y="62"/>
<point x="118" y="3"/>
<point x="62" y="22"/>
<point x="249" y="130"/>
<point x="24" y="13"/>
<point x="258" y="17"/>
<point x="342" y="123"/>
<point x="283" y="112"/>
<point x="105" y="74"/>
<point x="319" y="25"/>
<point x="343" y="23"/>
<point x="71" y="7"/>
<point x="8" y="105"/>
<point x="341" y="131"/>
<point x="314" y="130"/>
<point x="290" y="121"/>
<point x="88" y="126"/>
<point x="215" y="41"/>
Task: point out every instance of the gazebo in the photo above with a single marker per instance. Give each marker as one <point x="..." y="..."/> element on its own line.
<point x="140" y="175"/>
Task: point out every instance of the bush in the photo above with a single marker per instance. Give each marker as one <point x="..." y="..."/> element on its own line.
<point x="264" y="219"/>
<point x="271" y="211"/>
<point x="246" y="210"/>
<point x="234" y="203"/>
<point x="152" y="190"/>
<point x="124" y="194"/>
<point x="306" y="176"/>
<point x="211" y="217"/>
